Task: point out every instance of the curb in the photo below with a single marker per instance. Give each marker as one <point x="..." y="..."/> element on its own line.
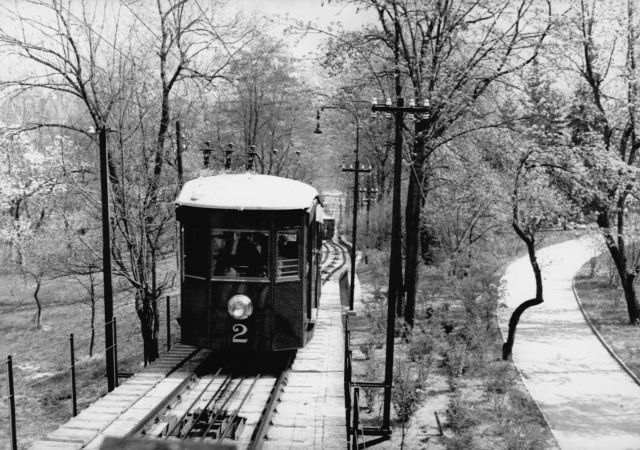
<point x="522" y="378"/>
<point x="613" y="354"/>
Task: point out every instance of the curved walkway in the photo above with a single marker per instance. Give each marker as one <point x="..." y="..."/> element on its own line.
<point x="586" y="397"/>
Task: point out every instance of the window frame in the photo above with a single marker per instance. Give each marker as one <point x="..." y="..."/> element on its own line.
<point x="298" y="276"/>
<point x="262" y="279"/>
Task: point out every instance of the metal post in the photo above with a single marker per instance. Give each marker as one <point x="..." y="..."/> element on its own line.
<point x="168" y="323"/>
<point x="356" y="416"/>
<point x="354" y="231"/>
<point x="106" y="259"/>
<point x="347" y="375"/>
<point x="12" y="405"/>
<point x="115" y="350"/>
<point x="74" y="397"/>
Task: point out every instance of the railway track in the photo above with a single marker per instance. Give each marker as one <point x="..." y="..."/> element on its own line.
<point x="228" y="397"/>
<point x="334" y="257"/>
<point x="225" y="398"/>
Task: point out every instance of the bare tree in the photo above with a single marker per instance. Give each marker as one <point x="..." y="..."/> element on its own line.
<point x="606" y="132"/>
<point x="106" y="67"/>
<point x="449" y="53"/>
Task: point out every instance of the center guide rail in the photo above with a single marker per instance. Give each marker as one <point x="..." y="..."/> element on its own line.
<point x="227" y="397"/>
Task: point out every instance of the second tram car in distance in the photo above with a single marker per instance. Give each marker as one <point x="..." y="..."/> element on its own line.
<point x="332" y="204"/>
<point x="250" y="272"/>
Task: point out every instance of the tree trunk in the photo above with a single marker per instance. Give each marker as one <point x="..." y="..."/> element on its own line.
<point x="415" y="202"/>
<point x="617" y="251"/>
<point x="37" y="299"/>
<point x="630" y="297"/>
<point x="147" y="309"/>
<point x="507" y="347"/>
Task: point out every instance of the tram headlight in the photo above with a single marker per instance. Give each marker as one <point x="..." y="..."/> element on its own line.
<point x="240" y="307"/>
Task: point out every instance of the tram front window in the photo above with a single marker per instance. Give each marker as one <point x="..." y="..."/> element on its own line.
<point x="239" y="254"/>
<point x="195" y="253"/>
<point x="287" y="260"/>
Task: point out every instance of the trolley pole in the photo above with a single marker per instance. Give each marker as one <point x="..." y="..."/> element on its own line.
<point x="106" y="259"/>
<point x="395" y="269"/>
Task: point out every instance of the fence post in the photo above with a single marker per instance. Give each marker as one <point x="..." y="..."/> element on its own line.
<point x="168" y="323"/>
<point x="347" y="375"/>
<point x="356" y="417"/>
<point x="115" y="350"/>
<point x="12" y="405"/>
<point x="74" y="398"/>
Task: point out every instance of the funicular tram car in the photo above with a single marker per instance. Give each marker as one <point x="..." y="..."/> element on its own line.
<point x="250" y="272"/>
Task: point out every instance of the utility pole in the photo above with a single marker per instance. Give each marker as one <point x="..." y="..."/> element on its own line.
<point x="395" y="269"/>
<point x="106" y="259"/>
<point x="356" y="169"/>
<point x="369" y="195"/>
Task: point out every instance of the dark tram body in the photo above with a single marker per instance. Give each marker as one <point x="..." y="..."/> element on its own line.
<point x="250" y="275"/>
<point x="329" y="228"/>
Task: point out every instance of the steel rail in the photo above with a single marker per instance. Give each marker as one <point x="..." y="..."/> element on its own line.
<point x="139" y="428"/>
<point x="186" y="413"/>
<point x="260" y="431"/>
<point x="236" y="413"/>
<point x="221" y="408"/>
<point x="340" y="265"/>
<point x="223" y="386"/>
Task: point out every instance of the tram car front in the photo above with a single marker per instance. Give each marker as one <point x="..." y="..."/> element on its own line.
<point x="250" y="262"/>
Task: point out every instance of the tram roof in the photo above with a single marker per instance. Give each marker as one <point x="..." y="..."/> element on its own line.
<point x="247" y="191"/>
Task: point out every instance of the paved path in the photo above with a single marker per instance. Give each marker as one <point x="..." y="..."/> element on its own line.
<point x="588" y="400"/>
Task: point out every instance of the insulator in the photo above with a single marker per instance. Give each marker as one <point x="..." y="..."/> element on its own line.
<point x="412" y="103"/>
<point x="388" y="103"/>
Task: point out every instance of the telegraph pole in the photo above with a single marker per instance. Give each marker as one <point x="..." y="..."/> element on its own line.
<point x="356" y="169"/>
<point x="395" y="269"/>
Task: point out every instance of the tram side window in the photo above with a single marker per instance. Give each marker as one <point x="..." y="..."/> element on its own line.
<point x="287" y="261"/>
<point x="195" y="253"/>
<point x="239" y="254"/>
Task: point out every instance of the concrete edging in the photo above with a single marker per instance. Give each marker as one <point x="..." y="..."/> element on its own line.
<point x="604" y="343"/>
<point x="520" y="374"/>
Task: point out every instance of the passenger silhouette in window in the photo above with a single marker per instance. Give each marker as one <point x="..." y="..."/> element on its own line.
<point x="248" y="255"/>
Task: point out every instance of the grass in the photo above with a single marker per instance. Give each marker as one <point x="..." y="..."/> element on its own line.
<point x="41" y="358"/>
<point x="604" y="303"/>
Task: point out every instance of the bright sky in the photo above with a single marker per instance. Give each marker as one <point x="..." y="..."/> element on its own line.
<point x="319" y="12"/>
